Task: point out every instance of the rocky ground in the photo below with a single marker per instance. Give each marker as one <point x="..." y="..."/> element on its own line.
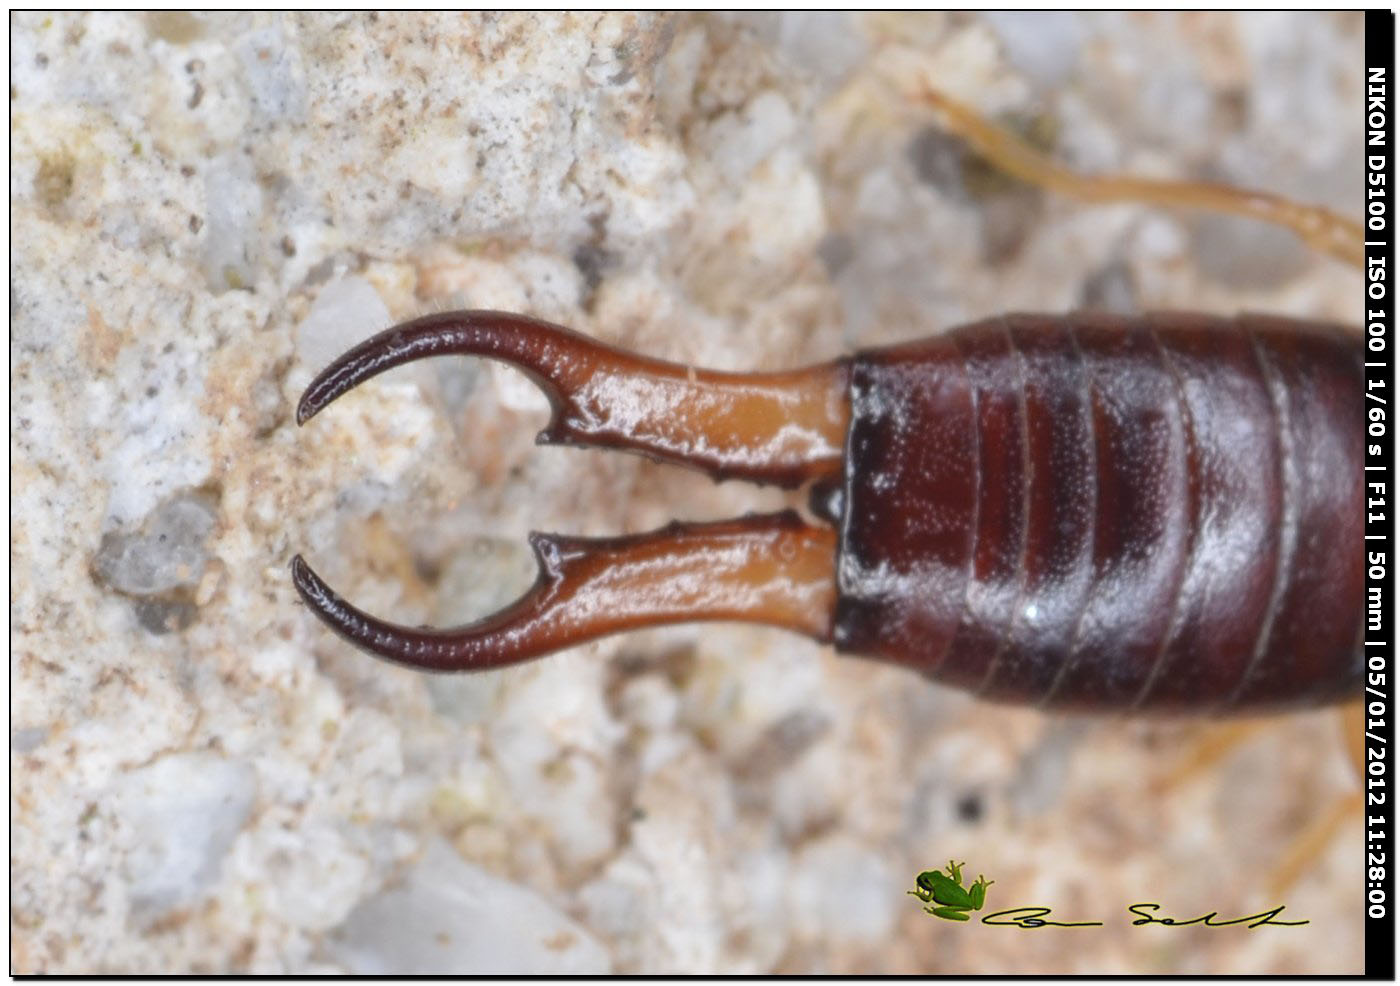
<point x="207" y="208"/>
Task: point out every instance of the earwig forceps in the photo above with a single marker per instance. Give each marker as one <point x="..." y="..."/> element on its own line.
<point x="786" y="429"/>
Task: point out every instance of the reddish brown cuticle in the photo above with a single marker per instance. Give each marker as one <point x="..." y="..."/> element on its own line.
<point x="1095" y="513"/>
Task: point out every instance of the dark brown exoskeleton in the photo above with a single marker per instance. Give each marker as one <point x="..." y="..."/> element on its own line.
<point x="1092" y="512"/>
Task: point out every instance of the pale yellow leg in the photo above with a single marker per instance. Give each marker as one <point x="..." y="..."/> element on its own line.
<point x="1315" y="838"/>
<point x="1320" y="228"/>
<point x="1208" y="750"/>
<point x="1312" y="843"/>
<point x="1220" y="740"/>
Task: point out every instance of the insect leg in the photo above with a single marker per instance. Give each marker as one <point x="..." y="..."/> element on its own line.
<point x="1322" y="229"/>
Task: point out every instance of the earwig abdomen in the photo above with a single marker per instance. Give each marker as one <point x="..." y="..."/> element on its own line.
<point x="1100" y="513"/>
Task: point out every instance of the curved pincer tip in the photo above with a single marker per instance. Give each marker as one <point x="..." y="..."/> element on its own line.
<point x="370" y="358"/>
<point x="536" y="347"/>
<point x="352" y="624"/>
<point x="423" y="648"/>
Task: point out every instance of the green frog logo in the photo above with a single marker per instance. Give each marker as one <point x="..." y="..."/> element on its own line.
<point x="946" y="897"/>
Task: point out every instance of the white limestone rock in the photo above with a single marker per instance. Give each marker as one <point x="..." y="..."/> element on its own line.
<point x="181" y="815"/>
<point x="449" y="917"/>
